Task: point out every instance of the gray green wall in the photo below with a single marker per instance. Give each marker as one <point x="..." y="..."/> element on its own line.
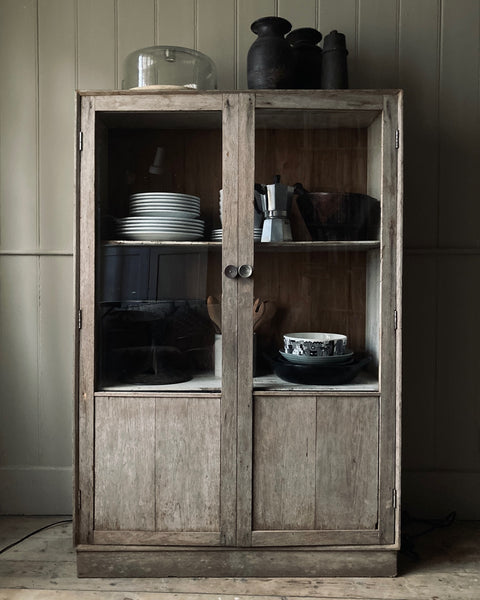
<point x="430" y="48"/>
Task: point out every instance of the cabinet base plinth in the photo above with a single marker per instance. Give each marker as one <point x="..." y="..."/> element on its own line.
<point x="215" y="562"/>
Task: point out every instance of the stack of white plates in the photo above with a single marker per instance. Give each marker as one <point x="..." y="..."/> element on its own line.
<point x="216" y="235"/>
<point x="303" y="359"/>
<point x="163" y="216"/>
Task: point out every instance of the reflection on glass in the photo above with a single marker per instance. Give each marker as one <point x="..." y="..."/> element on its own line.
<point x="158" y="181"/>
<point x="317" y="265"/>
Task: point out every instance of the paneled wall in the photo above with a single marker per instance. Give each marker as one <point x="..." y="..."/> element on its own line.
<point x="430" y="48"/>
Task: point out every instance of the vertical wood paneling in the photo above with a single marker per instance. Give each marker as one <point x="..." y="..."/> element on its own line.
<point x="18" y="363"/>
<point x="459" y="174"/>
<point x="175" y="23"/>
<point x="342" y="16"/>
<point x="248" y="11"/>
<point x="457" y="406"/>
<point x="419" y="386"/>
<point x="300" y="14"/>
<point x="56" y="48"/>
<point x="96" y="53"/>
<point x="377" y="64"/>
<point x="135" y="29"/>
<point x="347" y="442"/>
<point x="124" y="464"/>
<point x="419" y="77"/>
<point x="188" y="464"/>
<point x="18" y="125"/>
<point x="284" y="463"/>
<point x="216" y="37"/>
<point x="55" y="360"/>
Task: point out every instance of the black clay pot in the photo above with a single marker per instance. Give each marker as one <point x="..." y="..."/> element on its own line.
<point x="307" y="57"/>
<point x="334" y="65"/>
<point x="270" y="61"/>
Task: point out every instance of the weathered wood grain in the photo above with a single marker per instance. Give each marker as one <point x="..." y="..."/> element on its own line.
<point x="124" y="464"/>
<point x="187" y="465"/>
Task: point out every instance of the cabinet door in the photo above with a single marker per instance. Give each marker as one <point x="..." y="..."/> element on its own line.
<point x="157" y="470"/>
<point x="315" y="470"/>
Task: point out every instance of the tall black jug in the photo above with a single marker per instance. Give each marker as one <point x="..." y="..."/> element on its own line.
<point x="334" y="64"/>
<point x="270" y="63"/>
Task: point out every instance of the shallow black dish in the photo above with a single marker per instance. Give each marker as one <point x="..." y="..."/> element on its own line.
<point x="319" y="374"/>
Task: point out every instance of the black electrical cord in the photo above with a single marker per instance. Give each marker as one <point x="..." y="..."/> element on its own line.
<point x="25" y="537"/>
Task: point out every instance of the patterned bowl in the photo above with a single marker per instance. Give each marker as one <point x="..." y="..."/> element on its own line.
<point x="315" y="344"/>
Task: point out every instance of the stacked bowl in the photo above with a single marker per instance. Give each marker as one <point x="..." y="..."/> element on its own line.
<point x="311" y="348"/>
<point x="311" y="358"/>
<point x="162" y="216"/>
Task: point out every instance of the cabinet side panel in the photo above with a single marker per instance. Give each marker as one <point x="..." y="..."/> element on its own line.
<point x="188" y="464"/>
<point x="284" y="463"/>
<point x="124" y="464"/>
<point x="347" y="455"/>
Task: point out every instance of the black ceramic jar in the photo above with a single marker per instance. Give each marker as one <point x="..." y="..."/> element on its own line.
<point x="307" y="57"/>
<point x="270" y="61"/>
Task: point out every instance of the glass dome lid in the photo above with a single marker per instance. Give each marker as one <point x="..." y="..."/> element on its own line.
<point x="169" y="67"/>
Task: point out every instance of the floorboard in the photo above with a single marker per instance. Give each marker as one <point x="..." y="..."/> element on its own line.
<point x="442" y="564"/>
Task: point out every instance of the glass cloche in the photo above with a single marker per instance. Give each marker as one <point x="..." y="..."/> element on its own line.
<point x="169" y="67"/>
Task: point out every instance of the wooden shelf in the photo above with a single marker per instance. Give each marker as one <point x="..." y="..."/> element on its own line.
<point x="259" y="246"/>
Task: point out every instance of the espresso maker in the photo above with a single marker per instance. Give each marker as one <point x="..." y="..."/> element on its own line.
<point x="275" y="200"/>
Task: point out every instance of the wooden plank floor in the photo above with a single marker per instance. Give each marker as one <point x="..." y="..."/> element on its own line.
<point x="43" y="567"/>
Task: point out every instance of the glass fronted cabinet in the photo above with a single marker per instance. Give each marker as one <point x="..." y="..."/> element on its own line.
<point x="239" y="333"/>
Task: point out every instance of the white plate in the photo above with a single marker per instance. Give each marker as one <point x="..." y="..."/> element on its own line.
<point x="301" y="359"/>
<point x="152" y="212"/>
<point x="161" y="230"/>
<point x="169" y="195"/>
<point x="160" y="220"/>
<point x="161" y="203"/>
<point x="172" y="236"/>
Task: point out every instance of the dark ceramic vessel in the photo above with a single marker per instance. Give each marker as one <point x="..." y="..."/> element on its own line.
<point x="270" y="61"/>
<point x="307" y="57"/>
<point x="334" y="65"/>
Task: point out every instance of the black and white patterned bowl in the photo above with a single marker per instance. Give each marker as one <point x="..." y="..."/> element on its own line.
<point x="315" y="344"/>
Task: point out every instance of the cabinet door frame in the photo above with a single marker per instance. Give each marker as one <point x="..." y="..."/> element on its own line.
<point x="387" y="159"/>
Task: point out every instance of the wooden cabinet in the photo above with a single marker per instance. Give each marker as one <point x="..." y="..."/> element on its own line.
<point x="199" y="462"/>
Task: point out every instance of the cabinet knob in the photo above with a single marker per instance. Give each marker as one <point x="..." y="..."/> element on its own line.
<point x="245" y="271"/>
<point x="231" y="271"/>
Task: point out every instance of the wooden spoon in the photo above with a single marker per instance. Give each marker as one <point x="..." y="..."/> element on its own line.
<point x="258" y="312"/>
<point x="215" y="313"/>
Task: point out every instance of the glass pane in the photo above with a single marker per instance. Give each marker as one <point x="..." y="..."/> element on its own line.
<point x="158" y="178"/>
<point x="317" y="266"/>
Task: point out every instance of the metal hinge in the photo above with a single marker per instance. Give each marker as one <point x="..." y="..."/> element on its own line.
<point x="80" y="319"/>
<point x="79" y="499"/>
<point x="80" y="141"/>
<point x="397" y="139"/>
<point x="395" y="319"/>
<point x="394" y="498"/>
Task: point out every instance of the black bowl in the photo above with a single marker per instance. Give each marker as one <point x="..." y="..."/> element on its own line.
<point x="340" y="216"/>
<point x="319" y="374"/>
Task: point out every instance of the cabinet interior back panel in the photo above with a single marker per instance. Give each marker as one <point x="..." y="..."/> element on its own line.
<point x="327" y="160"/>
<point x="193" y="165"/>
<point x="337" y="282"/>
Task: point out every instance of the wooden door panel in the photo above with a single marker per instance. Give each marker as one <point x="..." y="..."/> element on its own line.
<point x="315" y="470"/>
<point x="347" y="463"/>
<point x="124" y="464"/>
<point x="157" y="470"/>
<point x="188" y="464"/>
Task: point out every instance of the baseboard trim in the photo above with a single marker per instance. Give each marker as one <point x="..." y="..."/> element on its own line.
<point x="227" y="562"/>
